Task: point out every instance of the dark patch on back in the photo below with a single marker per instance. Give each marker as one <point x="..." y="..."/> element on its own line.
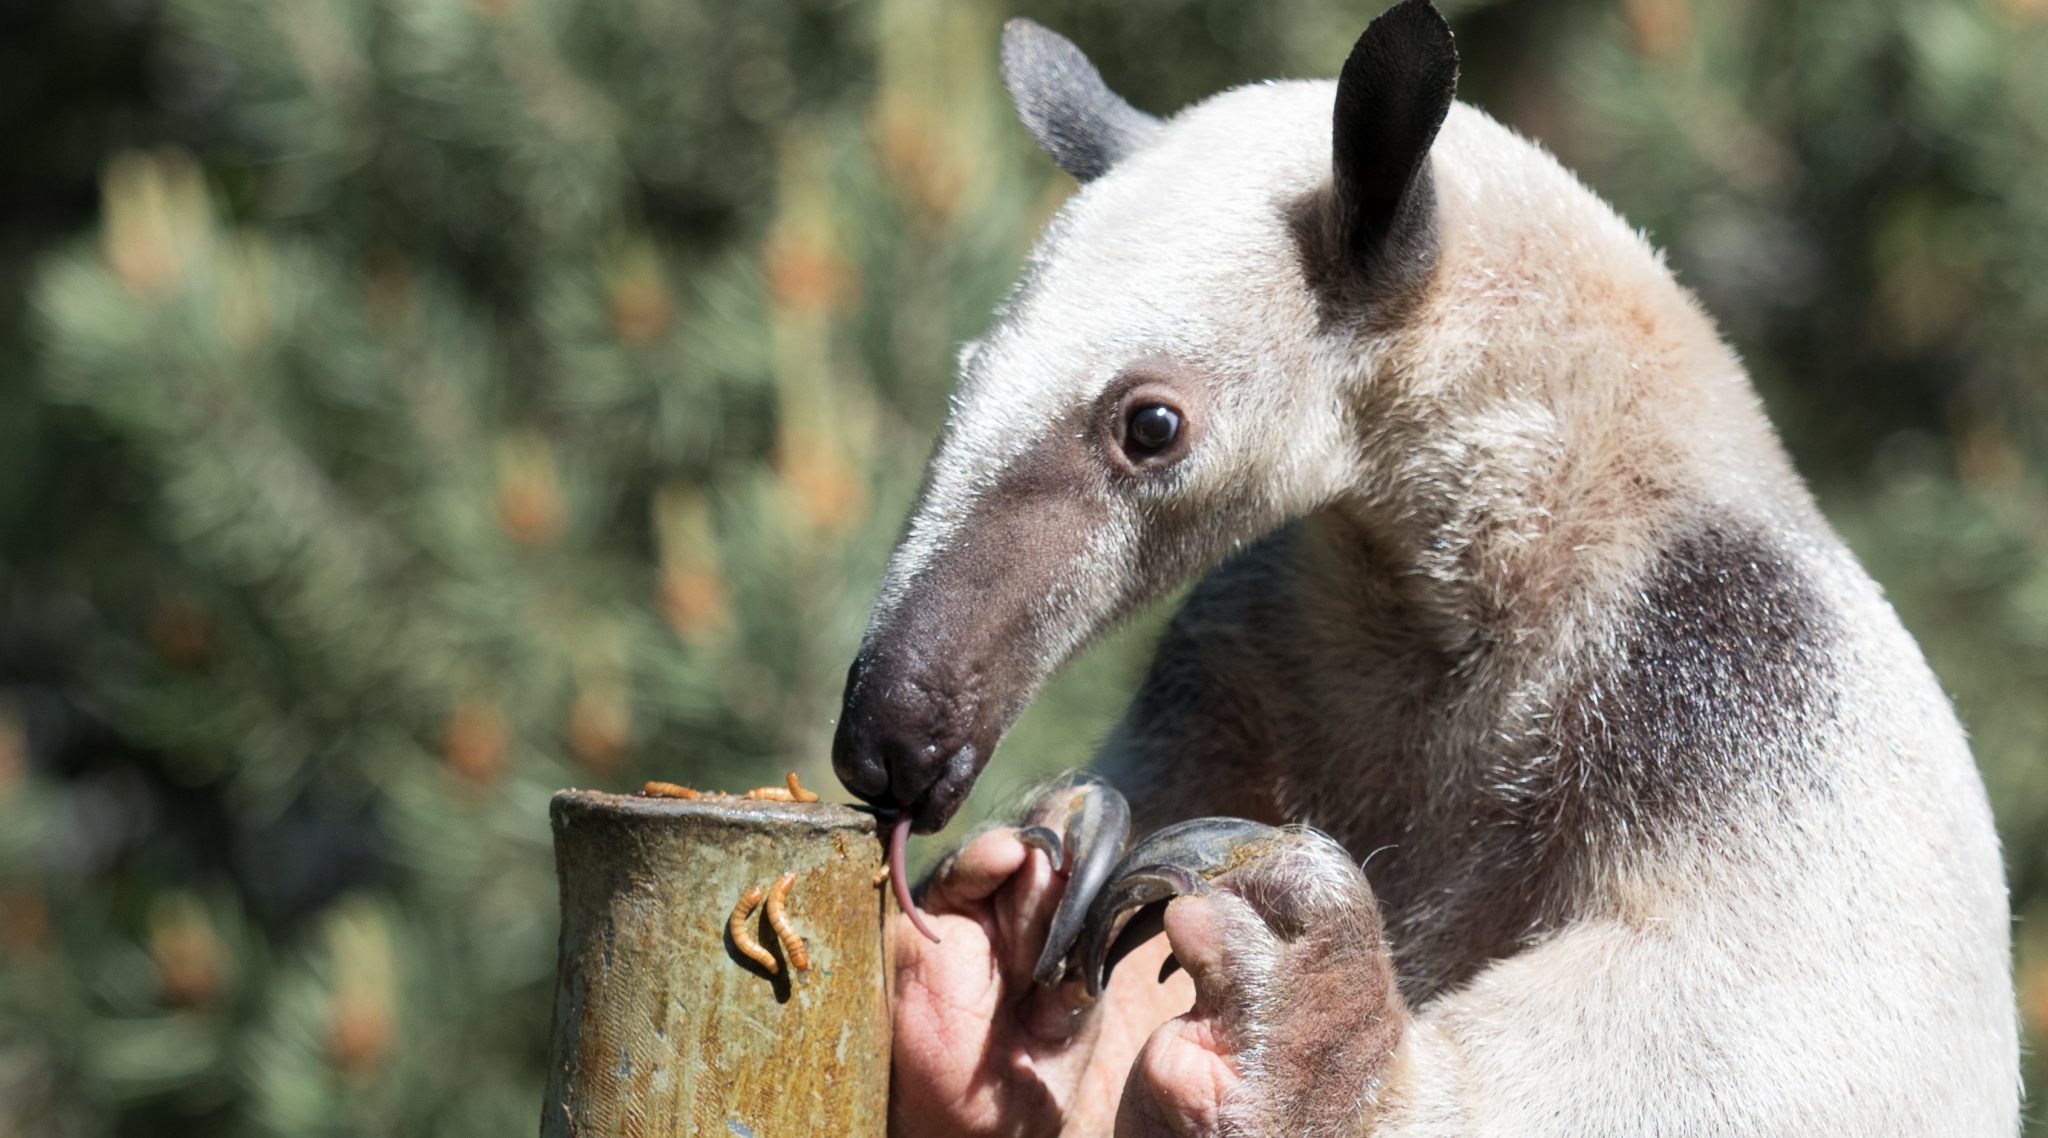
<point x="1718" y="680"/>
<point x="1706" y="702"/>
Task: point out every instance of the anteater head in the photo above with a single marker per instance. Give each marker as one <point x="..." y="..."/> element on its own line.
<point x="1177" y="375"/>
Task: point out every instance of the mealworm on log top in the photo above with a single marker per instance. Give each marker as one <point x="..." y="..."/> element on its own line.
<point x="668" y="790"/>
<point x="794" y="792"/>
<point x="792" y="944"/>
<point x="744" y="939"/>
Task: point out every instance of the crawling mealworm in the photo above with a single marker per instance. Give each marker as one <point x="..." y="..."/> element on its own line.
<point x="881" y="876"/>
<point x="668" y="790"/>
<point x="794" y="792"/>
<point x="743" y="939"/>
<point x="792" y="944"/>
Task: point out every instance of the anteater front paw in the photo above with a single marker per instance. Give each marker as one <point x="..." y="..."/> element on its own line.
<point x="1296" y="1016"/>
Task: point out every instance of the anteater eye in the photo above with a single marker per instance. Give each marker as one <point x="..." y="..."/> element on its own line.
<point x="1151" y="428"/>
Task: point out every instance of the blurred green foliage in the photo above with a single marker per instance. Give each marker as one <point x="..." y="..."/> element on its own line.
<point x="409" y="408"/>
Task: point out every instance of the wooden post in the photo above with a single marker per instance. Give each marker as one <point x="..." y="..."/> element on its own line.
<point x="661" y="1026"/>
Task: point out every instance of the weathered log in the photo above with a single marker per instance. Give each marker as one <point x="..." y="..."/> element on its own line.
<point x="661" y="1025"/>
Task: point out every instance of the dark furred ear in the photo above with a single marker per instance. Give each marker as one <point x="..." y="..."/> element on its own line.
<point x="1391" y="98"/>
<point x="1084" y="125"/>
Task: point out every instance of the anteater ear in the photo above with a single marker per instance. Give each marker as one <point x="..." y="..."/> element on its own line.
<point x="1392" y="96"/>
<point x="1085" y="126"/>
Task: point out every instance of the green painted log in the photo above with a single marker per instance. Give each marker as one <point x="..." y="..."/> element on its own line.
<point x="661" y="1026"/>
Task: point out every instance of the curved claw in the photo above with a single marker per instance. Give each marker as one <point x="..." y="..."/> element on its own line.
<point x="1180" y="860"/>
<point x="1045" y="841"/>
<point x="1080" y="823"/>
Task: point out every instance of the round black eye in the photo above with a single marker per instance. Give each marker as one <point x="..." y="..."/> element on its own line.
<point x="1151" y="427"/>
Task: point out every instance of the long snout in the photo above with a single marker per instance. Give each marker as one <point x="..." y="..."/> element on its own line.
<point x="983" y="601"/>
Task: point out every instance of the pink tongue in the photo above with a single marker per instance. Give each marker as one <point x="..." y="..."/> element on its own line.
<point x="899" y="837"/>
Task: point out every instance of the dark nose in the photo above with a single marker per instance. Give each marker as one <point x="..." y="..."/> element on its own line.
<point x="884" y="751"/>
<point x="899" y="746"/>
<point x="862" y="768"/>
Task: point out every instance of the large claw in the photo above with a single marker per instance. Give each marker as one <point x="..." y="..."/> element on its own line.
<point x="1180" y="860"/>
<point x="1080" y="822"/>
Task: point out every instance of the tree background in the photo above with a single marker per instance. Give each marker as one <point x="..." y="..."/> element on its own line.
<point x="408" y="408"/>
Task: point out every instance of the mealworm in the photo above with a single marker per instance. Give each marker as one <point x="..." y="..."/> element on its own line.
<point x="668" y="790"/>
<point x="792" y="944"/>
<point x="794" y="792"/>
<point x="881" y="875"/>
<point x="742" y="938"/>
